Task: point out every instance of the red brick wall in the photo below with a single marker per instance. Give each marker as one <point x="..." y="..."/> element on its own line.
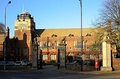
<point x="1" y="51"/>
<point x="116" y="63"/>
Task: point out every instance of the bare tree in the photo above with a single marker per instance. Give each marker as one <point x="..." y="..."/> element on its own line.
<point x="110" y="10"/>
<point x="109" y="20"/>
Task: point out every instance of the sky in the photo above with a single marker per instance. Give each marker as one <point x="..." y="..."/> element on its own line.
<point x="52" y="14"/>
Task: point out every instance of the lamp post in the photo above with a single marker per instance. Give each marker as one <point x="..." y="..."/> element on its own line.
<point x="81" y="35"/>
<point x="5" y="36"/>
<point x="81" y="25"/>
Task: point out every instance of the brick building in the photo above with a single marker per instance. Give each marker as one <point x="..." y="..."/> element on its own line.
<point x="20" y="46"/>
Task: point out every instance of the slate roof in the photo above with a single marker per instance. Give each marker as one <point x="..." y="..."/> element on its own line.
<point x="63" y="32"/>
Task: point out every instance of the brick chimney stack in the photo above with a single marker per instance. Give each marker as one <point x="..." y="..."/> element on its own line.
<point x="7" y="32"/>
<point x="109" y="26"/>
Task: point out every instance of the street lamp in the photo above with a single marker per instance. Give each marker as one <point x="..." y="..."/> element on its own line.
<point x="5" y="37"/>
<point x="81" y="35"/>
<point x="5" y="12"/>
<point x="81" y="25"/>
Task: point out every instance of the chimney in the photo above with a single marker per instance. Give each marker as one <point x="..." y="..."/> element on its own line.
<point x="109" y="26"/>
<point x="7" y="32"/>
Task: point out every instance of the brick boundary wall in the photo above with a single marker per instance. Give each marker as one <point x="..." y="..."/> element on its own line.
<point x="116" y="63"/>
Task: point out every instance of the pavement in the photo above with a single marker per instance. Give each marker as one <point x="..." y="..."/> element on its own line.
<point x="88" y="72"/>
<point x="54" y="69"/>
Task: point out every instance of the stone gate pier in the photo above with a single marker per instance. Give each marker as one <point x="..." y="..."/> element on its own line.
<point x="106" y="52"/>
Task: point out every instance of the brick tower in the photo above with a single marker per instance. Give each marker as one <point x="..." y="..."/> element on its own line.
<point x="24" y="31"/>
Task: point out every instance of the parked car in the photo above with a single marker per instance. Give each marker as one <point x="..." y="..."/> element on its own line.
<point x="20" y="63"/>
<point x="10" y="63"/>
<point x="7" y="63"/>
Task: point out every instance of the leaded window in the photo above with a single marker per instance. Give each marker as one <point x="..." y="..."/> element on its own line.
<point x="78" y="44"/>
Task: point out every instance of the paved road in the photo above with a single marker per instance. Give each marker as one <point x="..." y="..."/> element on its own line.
<point x="51" y="72"/>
